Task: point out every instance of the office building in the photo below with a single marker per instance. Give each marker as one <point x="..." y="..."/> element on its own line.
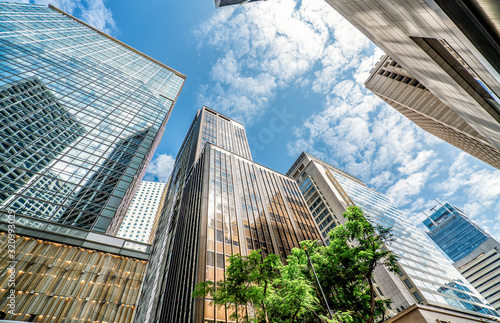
<point x="222" y="3"/>
<point x="450" y="47"/>
<point x="81" y="115"/>
<point x="425" y="275"/>
<point x="140" y="218"/>
<point x="393" y="84"/>
<point x="473" y="251"/>
<point x="218" y="202"/>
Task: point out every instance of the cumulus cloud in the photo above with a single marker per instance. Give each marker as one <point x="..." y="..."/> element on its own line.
<point x="275" y="45"/>
<point x="276" y="42"/>
<point x="160" y="168"/>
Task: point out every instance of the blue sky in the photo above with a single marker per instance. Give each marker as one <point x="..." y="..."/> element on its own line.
<point x="302" y="65"/>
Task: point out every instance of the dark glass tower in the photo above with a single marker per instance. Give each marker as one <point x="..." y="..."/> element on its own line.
<point x="219" y="202"/>
<point x="80" y="117"/>
<point x="474" y="252"/>
<point x="454" y="232"/>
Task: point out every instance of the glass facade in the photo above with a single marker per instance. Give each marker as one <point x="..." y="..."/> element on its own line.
<point x="80" y="117"/>
<point x="453" y="232"/>
<point x="227" y="205"/>
<point x="427" y="274"/>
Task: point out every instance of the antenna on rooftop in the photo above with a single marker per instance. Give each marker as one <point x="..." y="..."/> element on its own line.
<point x="428" y="217"/>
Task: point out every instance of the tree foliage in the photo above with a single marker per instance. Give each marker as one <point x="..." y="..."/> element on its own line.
<point x="266" y="290"/>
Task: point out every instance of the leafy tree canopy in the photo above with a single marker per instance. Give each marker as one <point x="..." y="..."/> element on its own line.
<point x="265" y="290"/>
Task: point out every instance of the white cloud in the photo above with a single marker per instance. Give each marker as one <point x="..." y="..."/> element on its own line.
<point x="423" y="158"/>
<point x="405" y="189"/>
<point x="96" y="14"/>
<point x="160" y="168"/>
<point x="265" y="47"/>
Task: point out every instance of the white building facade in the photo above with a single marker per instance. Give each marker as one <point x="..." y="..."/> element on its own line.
<point x="138" y="222"/>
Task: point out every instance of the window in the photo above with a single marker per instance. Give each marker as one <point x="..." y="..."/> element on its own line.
<point x="408" y="283"/>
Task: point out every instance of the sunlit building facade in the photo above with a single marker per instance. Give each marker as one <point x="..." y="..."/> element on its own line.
<point x="473" y="251"/>
<point x="425" y="275"/>
<point x="80" y="117"/>
<point x="219" y="202"/>
<point x="138" y="224"/>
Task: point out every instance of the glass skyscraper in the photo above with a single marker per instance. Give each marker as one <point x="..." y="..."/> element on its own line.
<point x="425" y="276"/>
<point x="218" y="202"/>
<point x="473" y="251"/>
<point x="454" y="232"/>
<point x="80" y="116"/>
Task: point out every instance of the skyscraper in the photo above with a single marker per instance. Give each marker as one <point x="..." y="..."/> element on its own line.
<point x="393" y="84"/>
<point x="425" y="276"/>
<point x="218" y="202"/>
<point x="451" y="47"/>
<point x="80" y="117"/>
<point x="473" y="251"/>
<point x="138" y="223"/>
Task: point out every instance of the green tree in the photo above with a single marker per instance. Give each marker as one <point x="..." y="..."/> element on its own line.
<point x="290" y="293"/>
<point x="345" y="267"/>
<point x="247" y="281"/>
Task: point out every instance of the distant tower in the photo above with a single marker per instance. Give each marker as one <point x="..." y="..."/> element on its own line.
<point x="218" y="202"/>
<point x="138" y="223"/>
<point x="425" y="276"/>
<point x="473" y="251"/>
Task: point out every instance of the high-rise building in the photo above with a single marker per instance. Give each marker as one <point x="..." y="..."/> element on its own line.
<point x="425" y="275"/>
<point x="218" y="202"/>
<point x="450" y="47"/>
<point x="393" y="84"/>
<point x="138" y="224"/>
<point x="473" y="251"/>
<point x="80" y="117"/>
<point x="222" y="3"/>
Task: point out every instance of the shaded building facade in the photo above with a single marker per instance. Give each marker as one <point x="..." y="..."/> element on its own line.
<point x="451" y="47"/>
<point x="226" y="204"/>
<point x="425" y="276"/>
<point x="80" y="116"/>
<point x="473" y="251"/>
